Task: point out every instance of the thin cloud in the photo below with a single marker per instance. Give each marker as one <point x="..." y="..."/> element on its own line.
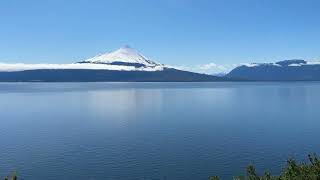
<point x="210" y="68"/>
<point x="4" y="67"/>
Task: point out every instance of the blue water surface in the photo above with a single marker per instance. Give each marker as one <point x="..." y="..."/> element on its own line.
<point x="136" y="131"/>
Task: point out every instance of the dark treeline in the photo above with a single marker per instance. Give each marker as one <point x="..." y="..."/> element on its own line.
<point x="292" y="171"/>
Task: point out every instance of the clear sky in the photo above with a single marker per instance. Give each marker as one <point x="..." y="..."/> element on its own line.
<point x="175" y="32"/>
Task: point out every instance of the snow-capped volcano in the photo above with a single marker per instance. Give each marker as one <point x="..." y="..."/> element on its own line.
<point x="123" y="59"/>
<point x="123" y="56"/>
<point x="123" y="65"/>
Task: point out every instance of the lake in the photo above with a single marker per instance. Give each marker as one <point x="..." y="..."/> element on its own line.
<point x="184" y="131"/>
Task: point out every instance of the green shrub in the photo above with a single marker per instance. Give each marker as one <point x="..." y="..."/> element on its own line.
<point x="292" y="171"/>
<point x="13" y="177"/>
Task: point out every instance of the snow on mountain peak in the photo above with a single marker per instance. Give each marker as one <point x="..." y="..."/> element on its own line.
<point x="125" y="54"/>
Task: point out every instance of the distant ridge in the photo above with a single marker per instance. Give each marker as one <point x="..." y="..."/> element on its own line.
<point x="287" y="70"/>
<point x="89" y="75"/>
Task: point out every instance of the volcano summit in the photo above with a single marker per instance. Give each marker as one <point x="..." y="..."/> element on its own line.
<point x="125" y="64"/>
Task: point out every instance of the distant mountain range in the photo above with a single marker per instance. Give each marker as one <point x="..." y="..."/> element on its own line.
<point x="128" y="65"/>
<point x="288" y="70"/>
<point x="125" y="64"/>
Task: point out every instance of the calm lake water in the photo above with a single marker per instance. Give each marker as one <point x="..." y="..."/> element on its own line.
<point x="184" y="131"/>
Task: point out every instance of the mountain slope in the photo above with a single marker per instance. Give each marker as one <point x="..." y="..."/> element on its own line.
<point x="125" y="64"/>
<point x="83" y="75"/>
<point x="288" y="70"/>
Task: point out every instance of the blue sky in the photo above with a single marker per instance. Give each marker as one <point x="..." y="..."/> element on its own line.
<point x="176" y="32"/>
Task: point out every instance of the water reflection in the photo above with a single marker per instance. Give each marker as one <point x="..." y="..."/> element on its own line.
<point x="124" y="104"/>
<point x="151" y="130"/>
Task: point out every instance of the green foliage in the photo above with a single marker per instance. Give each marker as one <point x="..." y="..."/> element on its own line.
<point x="13" y="177"/>
<point x="292" y="171"/>
<point x="295" y="171"/>
<point x="214" y="178"/>
<point x="251" y="173"/>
